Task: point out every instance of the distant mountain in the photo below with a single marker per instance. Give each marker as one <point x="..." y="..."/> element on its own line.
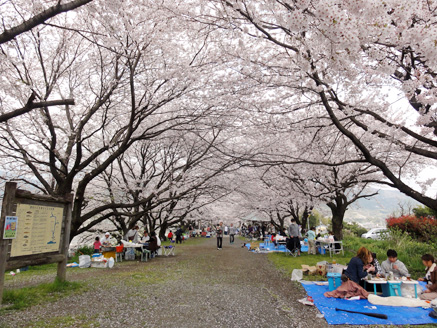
<point x="372" y="212"/>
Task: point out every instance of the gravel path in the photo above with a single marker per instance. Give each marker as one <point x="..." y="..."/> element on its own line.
<point x="199" y="287"/>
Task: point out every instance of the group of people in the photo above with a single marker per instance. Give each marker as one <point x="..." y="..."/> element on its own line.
<point x="220" y="231"/>
<point x="365" y="263"/>
<point x="178" y="235"/>
<point x="294" y="234"/>
<point x="152" y="243"/>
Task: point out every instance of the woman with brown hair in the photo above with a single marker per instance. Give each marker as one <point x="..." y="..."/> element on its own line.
<point x="359" y="265"/>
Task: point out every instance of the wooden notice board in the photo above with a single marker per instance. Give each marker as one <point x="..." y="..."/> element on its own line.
<point x="40" y="229"/>
<point x="43" y="225"/>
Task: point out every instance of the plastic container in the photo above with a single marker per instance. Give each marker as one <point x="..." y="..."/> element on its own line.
<point x="321" y="250"/>
<point x="391" y="289"/>
<point x="99" y="264"/>
<point x="108" y="255"/>
<point x="337" y="268"/>
<point x="334" y="280"/>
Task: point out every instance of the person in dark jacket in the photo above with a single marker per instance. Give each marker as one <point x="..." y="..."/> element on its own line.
<point x="179" y="235"/>
<point x="219" y="232"/>
<point x="359" y="265"/>
<point x="153" y="243"/>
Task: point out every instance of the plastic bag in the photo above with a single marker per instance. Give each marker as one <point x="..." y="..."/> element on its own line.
<point x="84" y="261"/>
<point x="129" y="254"/>
<point x="296" y="275"/>
<point x="407" y="290"/>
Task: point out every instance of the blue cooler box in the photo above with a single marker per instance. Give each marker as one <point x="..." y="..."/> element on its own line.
<point x="334" y="280"/>
<point x="391" y="289"/>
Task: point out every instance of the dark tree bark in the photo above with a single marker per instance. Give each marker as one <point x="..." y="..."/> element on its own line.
<point x="39" y="19"/>
<point x="338" y="208"/>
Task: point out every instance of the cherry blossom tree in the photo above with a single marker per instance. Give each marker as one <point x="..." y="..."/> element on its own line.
<point x="130" y="86"/>
<point x="19" y="18"/>
<point x="160" y="182"/>
<point x="370" y="66"/>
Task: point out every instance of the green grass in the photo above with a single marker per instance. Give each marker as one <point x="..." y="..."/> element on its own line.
<point x="34" y="270"/>
<point x="409" y="251"/>
<point x="65" y="321"/>
<point x="287" y="263"/>
<point x="189" y="241"/>
<point x="19" y="299"/>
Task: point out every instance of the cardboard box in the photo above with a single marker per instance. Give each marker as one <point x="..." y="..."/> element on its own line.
<point x="321" y="270"/>
<point x="309" y="270"/>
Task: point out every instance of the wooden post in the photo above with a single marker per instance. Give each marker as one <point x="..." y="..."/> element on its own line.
<point x="62" y="266"/>
<point x="7" y="210"/>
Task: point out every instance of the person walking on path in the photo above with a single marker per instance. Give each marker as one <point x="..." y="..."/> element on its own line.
<point x="219" y="236"/>
<point x="232" y="232"/>
<point x="312" y="240"/>
<point x="294" y="233"/>
<point x="179" y="235"/>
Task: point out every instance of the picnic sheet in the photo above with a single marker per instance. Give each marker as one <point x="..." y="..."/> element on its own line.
<point x="396" y="315"/>
<point x="281" y="248"/>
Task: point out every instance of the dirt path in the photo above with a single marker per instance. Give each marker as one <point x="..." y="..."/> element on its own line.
<point x="199" y="287"/>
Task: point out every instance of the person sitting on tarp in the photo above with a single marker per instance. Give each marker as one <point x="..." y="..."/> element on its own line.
<point x="359" y="265"/>
<point x="377" y="272"/>
<point x="430" y="293"/>
<point x="375" y="263"/>
<point x="392" y="264"/>
<point x="273" y="240"/>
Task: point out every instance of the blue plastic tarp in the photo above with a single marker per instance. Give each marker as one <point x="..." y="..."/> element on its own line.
<point x="396" y="315"/>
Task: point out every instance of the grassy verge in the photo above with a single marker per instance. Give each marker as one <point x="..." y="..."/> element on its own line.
<point x="287" y="264"/>
<point x="65" y="321"/>
<point x="19" y="299"/>
<point x="33" y="271"/>
<point x="409" y="251"/>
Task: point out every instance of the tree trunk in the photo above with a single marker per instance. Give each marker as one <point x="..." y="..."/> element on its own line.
<point x="305" y="215"/>
<point x="163" y="227"/>
<point x="337" y="223"/>
<point x="338" y="208"/>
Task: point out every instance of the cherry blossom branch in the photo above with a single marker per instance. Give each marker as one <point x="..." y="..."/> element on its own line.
<point x="40" y="18"/>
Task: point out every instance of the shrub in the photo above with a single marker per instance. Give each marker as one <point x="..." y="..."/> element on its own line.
<point x="423" y="228"/>
<point x="425" y="212"/>
<point x="83" y="250"/>
<point x="354" y="228"/>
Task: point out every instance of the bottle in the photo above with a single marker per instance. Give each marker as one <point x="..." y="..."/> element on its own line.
<point x="334" y="261"/>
